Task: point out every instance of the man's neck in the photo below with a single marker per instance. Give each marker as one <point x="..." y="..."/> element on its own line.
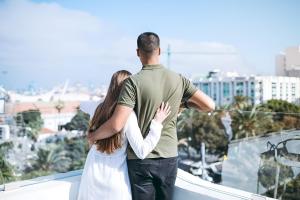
<point x="151" y="62"/>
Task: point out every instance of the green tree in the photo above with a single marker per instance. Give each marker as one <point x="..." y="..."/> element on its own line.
<point x="185" y="123"/>
<point x="76" y="149"/>
<point x="33" y="120"/>
<point x="79" y="122"/>
<point x="276" y="105"/>
<point x="201" y="127"/>
<point x="268" y="172"/>
<point x="6" y="169"/>
<point x="286" y="114"/>
<point x="53" y="158"/>
<point x="240" y="102"/>
<point x="249" y="120"/>
<point x="252" y="121"/>
<point x="59" y="105"/>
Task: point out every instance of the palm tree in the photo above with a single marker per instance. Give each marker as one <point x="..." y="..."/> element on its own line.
<point x="76" y="149"/>
<point x="59" y="105"/>
<point x="185" y="123"/>
<point x="6" y="172"/>
<point x="6" y="169"/>
<point x="51" y="159"/>
<point x="240" y="102"/>
<point x="250" y="122"/>
<point x="201" y="127"/>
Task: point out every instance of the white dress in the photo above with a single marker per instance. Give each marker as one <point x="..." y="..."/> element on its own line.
<point x="105" y="176"/>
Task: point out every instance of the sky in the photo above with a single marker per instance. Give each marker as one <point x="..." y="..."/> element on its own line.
<point x="43" y="43"/>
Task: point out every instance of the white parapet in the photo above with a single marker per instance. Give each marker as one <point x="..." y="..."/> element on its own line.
<point x="65" y="187"/>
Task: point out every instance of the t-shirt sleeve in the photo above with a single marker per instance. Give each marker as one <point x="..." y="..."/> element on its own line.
<point x="188" y="88"/>
<point x="127" y="95"/>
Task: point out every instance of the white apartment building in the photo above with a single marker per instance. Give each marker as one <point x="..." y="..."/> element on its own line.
<point x="224" y="87"/>
<point x="3" y="98"/>
<point x="4" y="132"/>
<point x="288" y="62"/>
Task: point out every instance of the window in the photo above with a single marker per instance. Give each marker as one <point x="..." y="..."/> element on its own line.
<point x="225" y="90"/>
<point x="273" y="90"/>
<point x="252" y="89"/>
<point x="205" y="88"/>
<point x="293" y="90"/>
<point x="280" y="92"/>
<point x="260" y="87"/>
<point x="1" y="133"/>
<point x="215" y="92"/>
<point x="240" y="88"/>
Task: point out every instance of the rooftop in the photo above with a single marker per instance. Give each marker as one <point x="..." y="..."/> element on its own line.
<point x="65" y="187"/>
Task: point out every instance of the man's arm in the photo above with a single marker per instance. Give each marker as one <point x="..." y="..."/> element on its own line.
<point x="112" y="126"/>
<point x="201" y="101"/>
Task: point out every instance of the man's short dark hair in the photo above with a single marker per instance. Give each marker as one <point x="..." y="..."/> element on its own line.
<point x="148" y="42"/>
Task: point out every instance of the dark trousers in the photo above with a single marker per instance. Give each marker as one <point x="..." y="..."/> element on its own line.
<point x="152" y="178"/>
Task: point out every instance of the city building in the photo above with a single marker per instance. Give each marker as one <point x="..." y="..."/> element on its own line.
<point x="288" y="62"/>
<point x="2" y="105"/>
<point x="4" y="133"/>
<point x="3" y="98"/>
<point x="55" y="95"/>
<point x="223" y="87"/>
<point x="52" y="115"/>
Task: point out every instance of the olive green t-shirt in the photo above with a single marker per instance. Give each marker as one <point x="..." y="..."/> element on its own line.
<point x="144" y="92"/>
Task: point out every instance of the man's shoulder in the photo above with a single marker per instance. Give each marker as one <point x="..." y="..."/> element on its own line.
<point x="168" y="71"/>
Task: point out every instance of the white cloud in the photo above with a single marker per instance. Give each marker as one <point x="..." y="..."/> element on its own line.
<point x="44" y="42"/>
<point x="43" y="35"/>
<point x="47" y="43"/>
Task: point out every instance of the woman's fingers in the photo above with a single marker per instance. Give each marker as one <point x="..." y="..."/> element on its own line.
<point x="162" y="105"/>
<point x="168" y="108"/>
<point x="164" y="108"/>
<point x="163" y="112"/>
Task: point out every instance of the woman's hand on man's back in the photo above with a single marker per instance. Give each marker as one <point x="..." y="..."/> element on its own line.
<point x="162" y="112"/>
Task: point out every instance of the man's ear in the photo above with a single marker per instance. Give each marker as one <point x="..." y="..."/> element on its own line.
<point x="159" y="51"/>
<point x="138" y="52"/>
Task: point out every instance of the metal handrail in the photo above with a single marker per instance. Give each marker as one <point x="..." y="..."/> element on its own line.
<point x="284" y="160"/>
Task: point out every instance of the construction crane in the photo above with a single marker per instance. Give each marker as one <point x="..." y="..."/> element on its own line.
<point x="169" y="52"/>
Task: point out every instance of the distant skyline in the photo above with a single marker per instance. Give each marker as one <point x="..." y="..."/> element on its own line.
<point x="45" y="42"/>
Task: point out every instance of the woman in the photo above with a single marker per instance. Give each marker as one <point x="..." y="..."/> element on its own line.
<point x="105" y="174"/>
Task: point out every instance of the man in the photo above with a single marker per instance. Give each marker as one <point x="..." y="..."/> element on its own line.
<point x="153" y="177"/>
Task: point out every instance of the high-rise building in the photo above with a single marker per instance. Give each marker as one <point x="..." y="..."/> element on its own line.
<point x="222" y="88"/>
<point x="288" y="62"/>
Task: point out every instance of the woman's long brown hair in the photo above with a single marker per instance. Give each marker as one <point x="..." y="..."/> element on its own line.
<point x="105" y="110"/>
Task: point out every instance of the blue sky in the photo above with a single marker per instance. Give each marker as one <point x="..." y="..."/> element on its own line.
<point x="89" y="40"/>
